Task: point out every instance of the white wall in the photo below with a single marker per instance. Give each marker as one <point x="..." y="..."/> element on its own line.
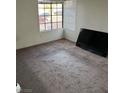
<point x="90" y="14"/>
<point x="70" y="19"/>
<point x="27" y="30"/>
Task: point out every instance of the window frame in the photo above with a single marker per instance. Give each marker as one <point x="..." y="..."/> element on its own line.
<point x="51" y="16"/>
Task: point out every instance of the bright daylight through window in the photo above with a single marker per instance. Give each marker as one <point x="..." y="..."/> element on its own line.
<point x="50" y="16"/>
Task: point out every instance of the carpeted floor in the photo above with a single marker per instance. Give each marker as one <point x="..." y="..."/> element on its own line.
<point x="61" y="67"/>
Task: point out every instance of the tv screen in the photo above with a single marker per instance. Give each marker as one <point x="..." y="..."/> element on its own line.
<point x="94" y="41"/>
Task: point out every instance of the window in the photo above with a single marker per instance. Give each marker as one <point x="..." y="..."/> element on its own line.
<point x="50" y="16"/>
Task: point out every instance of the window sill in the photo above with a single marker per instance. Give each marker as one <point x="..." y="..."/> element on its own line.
<point x="53" y="30"/>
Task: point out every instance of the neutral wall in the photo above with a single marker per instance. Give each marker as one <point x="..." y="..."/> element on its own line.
<point x="70" y="19"/>
<point x="78" y="14"/>
<point x="27" y="30"/>
<point x="91" y="14"/>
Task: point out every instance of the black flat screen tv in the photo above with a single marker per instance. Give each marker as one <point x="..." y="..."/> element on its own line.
<point x="94" y="41"/>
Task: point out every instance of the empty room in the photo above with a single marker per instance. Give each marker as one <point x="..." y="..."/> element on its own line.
<point x="61" y="46"/>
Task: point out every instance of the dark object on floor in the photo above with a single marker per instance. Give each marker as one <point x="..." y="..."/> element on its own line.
<point x="93" y="41"/>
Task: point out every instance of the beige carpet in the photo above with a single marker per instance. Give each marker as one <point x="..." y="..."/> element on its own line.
<point x="61" y="67"/>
